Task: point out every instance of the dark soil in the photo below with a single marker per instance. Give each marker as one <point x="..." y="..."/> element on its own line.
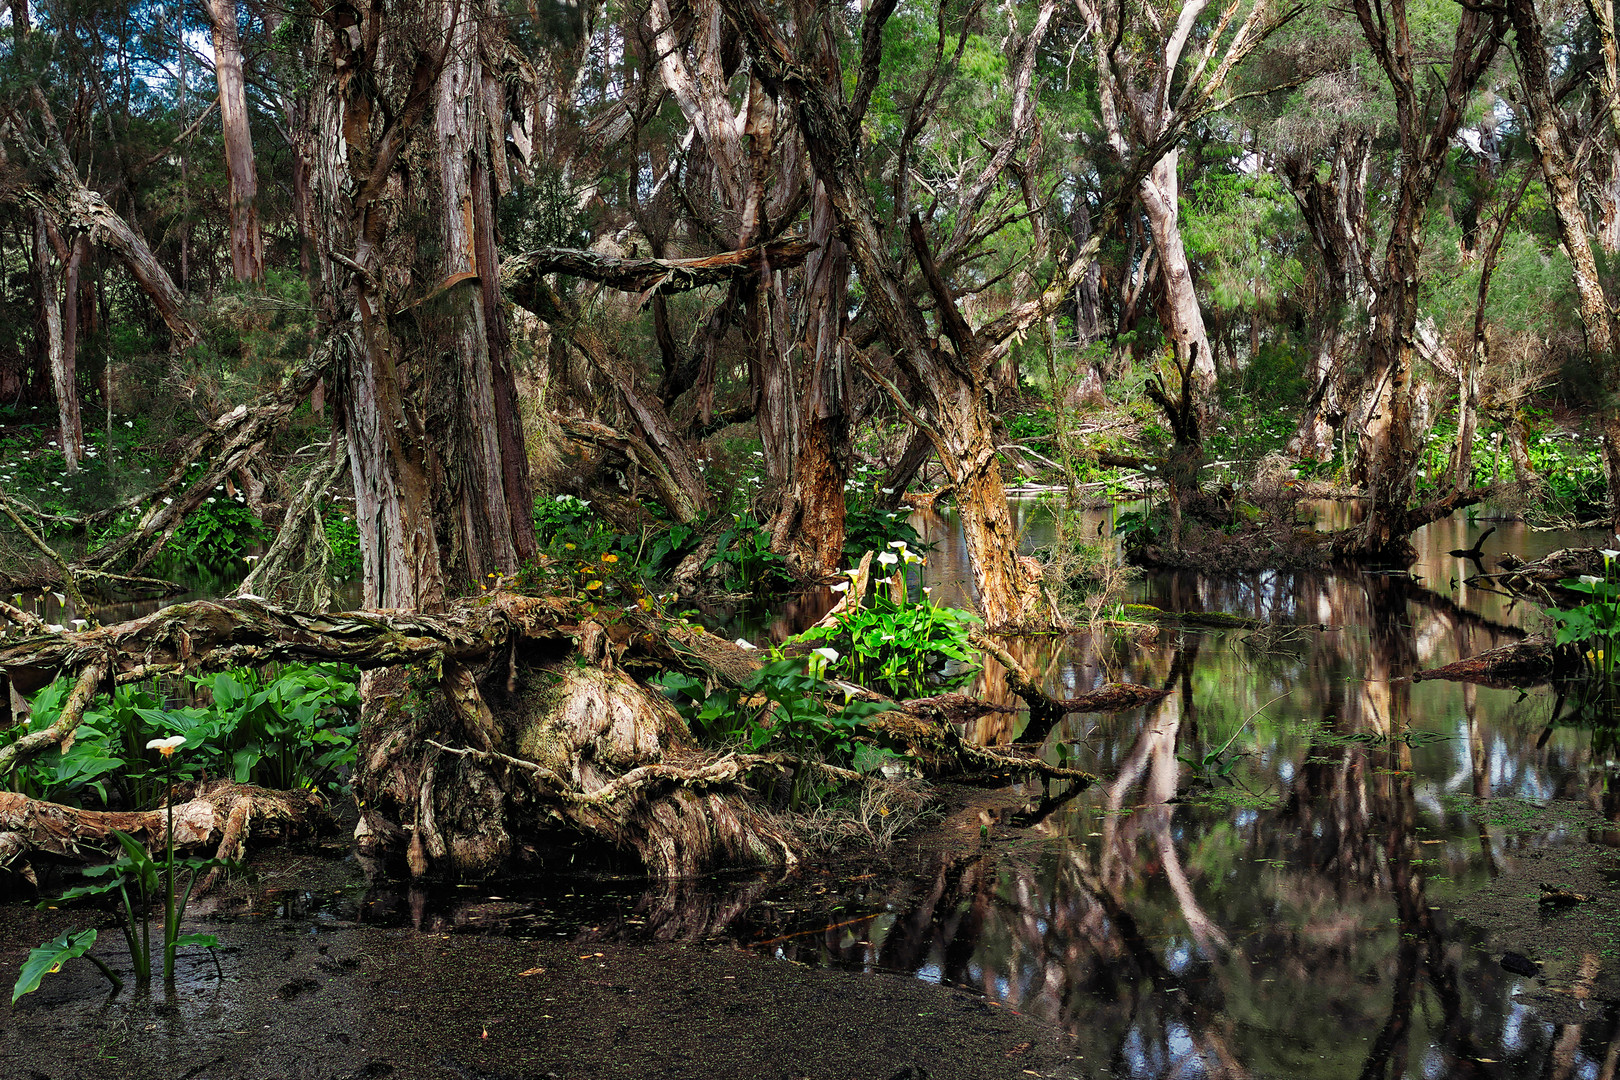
<point x="316" y="990"/>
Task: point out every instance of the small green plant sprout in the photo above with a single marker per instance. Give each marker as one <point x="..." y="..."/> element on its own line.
<point x="1217" y="764"/>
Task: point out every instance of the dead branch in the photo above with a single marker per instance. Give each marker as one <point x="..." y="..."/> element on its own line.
<point x="201" y="822"/>
<point x="49" y="552"/>
<point x="60" y="732"/>
<point x="520" y="273"/>
<point x="1045" y="711"/>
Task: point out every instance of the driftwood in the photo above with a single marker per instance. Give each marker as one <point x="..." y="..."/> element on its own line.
<point x="1522" y="663"/>
<point x="1540" y="578"/>
<point x="214" y="817"/>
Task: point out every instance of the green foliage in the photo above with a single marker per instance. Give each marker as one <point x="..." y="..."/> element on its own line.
<point x="869" y="528"/>
<point x="782" y="706"/>
<point x="343" y="541"/>
<point x="745" y="558"/>
<point x="898" y="647"/>
<point x="1595" y="625"/>
<point x="137" y="879"/>
<point x="49" y="958"/>
<point x="294" y="730"/>
<point x="215" y="535"/>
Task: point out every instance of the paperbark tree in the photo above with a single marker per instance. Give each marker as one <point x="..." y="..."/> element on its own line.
<point x="58" y="347"/>
<point x="1428" y="112"/>
<point x="947" y="361"/>
<point x="1144" y="91"/>
<point x="1559" y="152"/>
<point x="451" y="776"/>
<point x="1335" y="211"/>
<point x="57" y="188"/>
<point x="242" y="180"/>
<point x="798" y="364"/>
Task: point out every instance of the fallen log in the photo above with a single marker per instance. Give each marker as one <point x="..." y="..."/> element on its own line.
<point x="1046" y="711"/>
<point x="1541" y="577"/>
<point x="217" y="816"/>
<point x="1523" y="663"/>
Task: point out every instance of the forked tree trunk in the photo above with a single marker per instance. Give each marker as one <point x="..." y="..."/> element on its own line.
<point x="1426" y="123"/>
<point x="242" y="181"/>
<point x="1556" y="156"/>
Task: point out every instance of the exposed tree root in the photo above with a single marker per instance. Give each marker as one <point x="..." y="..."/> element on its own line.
<point x="214" y="818"/>
<point x="491" y="725"/>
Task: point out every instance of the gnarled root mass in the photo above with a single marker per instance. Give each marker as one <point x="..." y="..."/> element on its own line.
<point x="513" y="724"/>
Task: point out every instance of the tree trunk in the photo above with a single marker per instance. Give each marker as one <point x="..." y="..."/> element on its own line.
<point x="1426" y="125"/>
<point x="1557" y="159"/>
<point x="1335" y="213"/>
<point x="1184" y="319"/>
<point x="59" y="358"/>
<point x="61" y="193"/>
<point x="809" y="529"/>
<point x="475" y="411"/>
<point x="242" y="181"/>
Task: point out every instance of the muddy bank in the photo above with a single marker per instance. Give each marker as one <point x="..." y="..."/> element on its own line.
<point x="1574" y="946"/>
<point x="336" y="1002"/>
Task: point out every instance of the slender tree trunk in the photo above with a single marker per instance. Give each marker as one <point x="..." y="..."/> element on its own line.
<point x="1184" y="318"/>
<point x="1335" y="213"/>
<point x="1557" y="159"/>
<point x="242" y="181"/>
<point x="58" y="356"/>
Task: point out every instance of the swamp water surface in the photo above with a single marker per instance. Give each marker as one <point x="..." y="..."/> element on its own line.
<point x="1301" y="863"/>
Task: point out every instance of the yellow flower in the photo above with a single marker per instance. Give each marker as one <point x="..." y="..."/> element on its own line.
<point x="610" y="558"/>
<point x="570" y="547"/>
<point x="593" y="585"/>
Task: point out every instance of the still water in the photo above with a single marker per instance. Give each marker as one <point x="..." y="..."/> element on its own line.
<point x="1262" y="883"/>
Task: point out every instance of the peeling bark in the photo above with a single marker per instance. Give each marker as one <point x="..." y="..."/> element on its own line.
<point x="242" y="181"/>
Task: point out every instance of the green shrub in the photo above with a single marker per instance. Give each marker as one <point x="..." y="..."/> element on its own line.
<point x="294" y="730"/>
<point x="782" y="706"/>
